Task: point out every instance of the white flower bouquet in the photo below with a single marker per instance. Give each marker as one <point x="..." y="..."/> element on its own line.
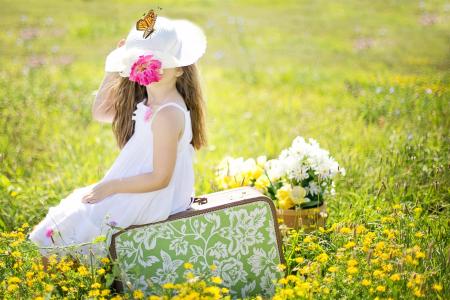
<point x="300" y="177"/>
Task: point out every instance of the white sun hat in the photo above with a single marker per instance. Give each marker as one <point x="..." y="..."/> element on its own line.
<point x="175" y="42"/>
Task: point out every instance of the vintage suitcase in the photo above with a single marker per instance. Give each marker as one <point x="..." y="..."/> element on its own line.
<point x="235" y="229"/>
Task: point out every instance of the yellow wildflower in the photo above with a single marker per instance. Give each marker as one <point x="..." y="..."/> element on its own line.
<point x="420" y="254"/>
<point x="12" y="287"/>
<point x="350" y="244"/>
<point x="352" y="262"/>
<point x="323" y="257"/>
<point x="418" y="292"/>
<point x="138" y="294"/>
<point x="366" y="282"/>
<point x="96" y="285"/>
<point x="168" y="285"/>
<point x="333" y="269"/>
<point x="395" y="277"/>
<point x="437" y="287"/>
<point x="14" y="279"/>
<point x="82" y="270"/>
<point x="216" y="279"/>
<point x="419" y="234"/>
<point x="101" y="271"/>
<point x="299" y="260"/>
<point x="105" y="260"/>
<point x="345" y="230"/>
<point x="381" y="288"/>
<point x="281" y="267"/>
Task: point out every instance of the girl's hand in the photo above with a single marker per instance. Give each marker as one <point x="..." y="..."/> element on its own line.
<point x="121" y="42"/>
<point x="98" y="192"/>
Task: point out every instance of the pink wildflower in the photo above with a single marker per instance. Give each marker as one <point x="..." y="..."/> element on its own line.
<point x="145" y="70"/>
<point x="49" y="232"/>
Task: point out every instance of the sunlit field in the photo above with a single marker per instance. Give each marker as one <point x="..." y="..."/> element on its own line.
<point x="369" y="80"/>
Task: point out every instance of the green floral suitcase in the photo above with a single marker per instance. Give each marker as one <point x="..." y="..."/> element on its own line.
<point x="236" y="230"/>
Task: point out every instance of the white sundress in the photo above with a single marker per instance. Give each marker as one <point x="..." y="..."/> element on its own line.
<point x="78" y="222"/>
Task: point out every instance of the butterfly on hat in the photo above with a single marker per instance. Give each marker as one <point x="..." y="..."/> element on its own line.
<point x="147" y="22"/>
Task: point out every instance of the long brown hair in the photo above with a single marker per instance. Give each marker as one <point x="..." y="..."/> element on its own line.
<point x="126" y="94"/>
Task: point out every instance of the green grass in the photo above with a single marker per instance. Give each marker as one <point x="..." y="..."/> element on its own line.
<point x="273" y="70"/>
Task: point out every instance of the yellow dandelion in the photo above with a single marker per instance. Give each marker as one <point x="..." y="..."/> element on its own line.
<point x="419" y="234"/>
<point x="378" y="273"/>
<point x="138" y="294"/>
<point x="12" y="287"/>
<point x="16" y="254"/>
<point x="281" y="267"/>
<point x="307" y="239"/>
<point x="420" y="254"/>
<point x="94" y="293"/>
<point x="48" y="287"/>
<point x="352" y="270"/>
<point x="437" y="287"/>
<point x="105" y="260"/>
<point x="96" y="285"/>
<point x="333" y="269"/>
<point x="14" y="279"/>
<point x="168" y="285"/>
<point x="82" y="270"/>
<point x="345" y="230"/>
<point x="395" y="277"/>
<point x="190" y="275"/>
<point x="188" y="265"/>
<point x="101" y="271"/>
<point x="381" y="288"/>
<point x="366" y="282"/>
<point x="299" y="260"/>
<point x="352" y="262"/>
<point x="387" y="267"/>
<point x="216" y="279"/>
<point x="323" y="257"/>
<point x="418" y="292"/>
<point x="350" y="244"/>
<point x="360" y="229"/>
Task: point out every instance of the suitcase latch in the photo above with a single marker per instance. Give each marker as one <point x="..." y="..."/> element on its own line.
<point x="200" y="200"/>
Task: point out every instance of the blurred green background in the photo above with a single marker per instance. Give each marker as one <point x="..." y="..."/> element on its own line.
<point x="367" y="79"/>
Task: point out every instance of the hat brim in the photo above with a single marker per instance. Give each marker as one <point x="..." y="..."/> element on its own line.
<point x="191" y="35"/>
<point x="121" y="58"/>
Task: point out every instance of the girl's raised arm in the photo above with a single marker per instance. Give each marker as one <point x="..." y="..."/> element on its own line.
<point x="103" y="106"/>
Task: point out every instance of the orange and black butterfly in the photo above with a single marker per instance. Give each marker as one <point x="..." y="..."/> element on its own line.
<point x="147" y="23"/>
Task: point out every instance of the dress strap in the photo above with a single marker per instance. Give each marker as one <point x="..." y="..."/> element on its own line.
<point x="177" y="105"/>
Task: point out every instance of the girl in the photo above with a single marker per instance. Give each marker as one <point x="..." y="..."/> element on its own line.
<point x="152" y="95"/>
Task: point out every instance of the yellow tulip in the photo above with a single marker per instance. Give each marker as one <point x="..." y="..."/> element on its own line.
<point x="284" y="195"/>
<point x="298" y="194"/>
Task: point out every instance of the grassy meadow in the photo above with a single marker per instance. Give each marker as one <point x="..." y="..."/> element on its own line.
<point x="369" y="80"/>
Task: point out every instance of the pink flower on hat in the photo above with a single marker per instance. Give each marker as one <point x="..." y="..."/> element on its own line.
<point x="145" y="70"/>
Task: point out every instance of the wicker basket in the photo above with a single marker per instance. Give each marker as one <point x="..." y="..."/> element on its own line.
<point x="308" y="218"/>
